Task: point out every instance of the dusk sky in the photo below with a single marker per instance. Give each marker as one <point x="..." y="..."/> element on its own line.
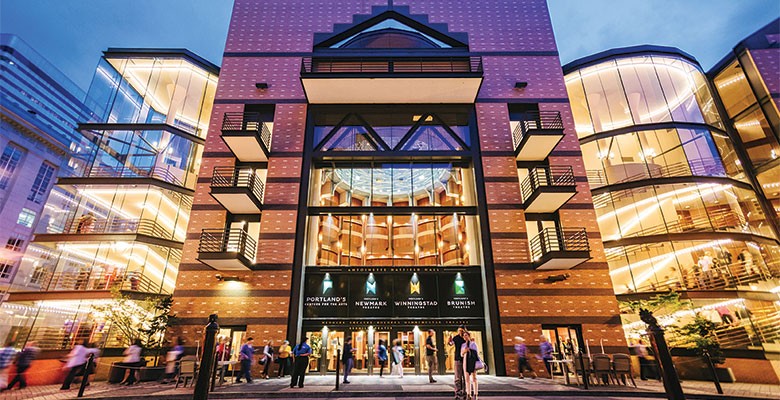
<point x="72" y="34"/>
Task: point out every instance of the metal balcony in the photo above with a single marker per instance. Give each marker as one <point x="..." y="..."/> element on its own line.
<point x="247" y="136"/>
<point x="537" y="134"/>
<point x="556" y="248"/>
<point x="391" y="80"/>
<point x="89" y="230"/>
<point x="546" y="189"/>
<point x="226" y="249"/>
<point x="239" y="190"/>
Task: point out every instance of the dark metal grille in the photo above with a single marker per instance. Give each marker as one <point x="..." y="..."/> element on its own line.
<point x="235" y="177"/>
<point x="547" y="176"/>
<point x="377" y="65"/>
<point x="535" y="121"/>
<point x="227" y="241"/>
<point x="559" y="239"/>
<point x="248" y="122"/>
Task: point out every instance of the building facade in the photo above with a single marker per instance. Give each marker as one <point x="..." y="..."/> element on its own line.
<point x="39" y="111"/>
<point x="385" y="168"/>
<point x="678" y="197"/>
<point x="115" y="228"/>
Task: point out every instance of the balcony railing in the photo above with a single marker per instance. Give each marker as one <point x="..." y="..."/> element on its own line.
<point x="552" y="240"/>
<point x="247" y="122"/>
<point x="391" y="65"/>
<point x="724" y="220"/>
<point x="159" y="173"/>
<point x="536" y="121"/>
<point x="147" y="227"/>
<point x="92" y="281"/>
<point x="227" y="241"/>
<point x="760" y="327"/>
<point x="230" y="177"/>
<point x="698" y="167"/>
<point x="554" y="176"/>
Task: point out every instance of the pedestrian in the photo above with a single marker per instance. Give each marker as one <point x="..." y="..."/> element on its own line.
<point x="223" y="355"/>
<point x="398" y="358"/>
<point x="470" y="356"/>
<point x="245" y="356"/>
<point x="302" y="351"/>
<point x="172" y="359"/>
<point x="283" y="359"/>
<point x="132" y="361"/>
<point x="430" y="355"/>
<point x="76" y="364"/>
<point x="23" y="361"/>
<point x="85" y="223"/>
<point x="644" y="363"/>
<point x="348" y="358"/>
<point x="381" y="354"/>
<point x="7" y="354"/>
<point x="460" y="384"/>
<point x="545" y="351"/>
<point x="521" y="350"/>
<point x="266" y="359"/>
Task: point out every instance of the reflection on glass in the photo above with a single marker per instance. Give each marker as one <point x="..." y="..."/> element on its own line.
<point x="401" y="240"/>
<point x="392" y="185"/>
<point x="693" y="265"/>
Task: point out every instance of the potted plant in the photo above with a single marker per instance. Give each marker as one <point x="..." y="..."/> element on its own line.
<point x="699" y="334"/>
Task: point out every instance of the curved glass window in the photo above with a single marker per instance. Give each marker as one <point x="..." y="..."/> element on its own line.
<point x="679" y="208"/>
<point x="392" y="185"/>
<point x="693" y="265"/>
<point x="658" y="154"/>
<point x="639" y="90"/>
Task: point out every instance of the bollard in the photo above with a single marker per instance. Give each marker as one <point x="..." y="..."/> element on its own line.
<point x="204" y="370"/>
<point x="338" y="364"/>
<point x="85" y="379"/>
<point x="663" y="356"/>
<point x="714" y="373"/>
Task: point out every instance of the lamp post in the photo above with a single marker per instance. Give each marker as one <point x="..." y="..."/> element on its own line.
<point x="204" y="371"/>
<point x="658" y="341"/>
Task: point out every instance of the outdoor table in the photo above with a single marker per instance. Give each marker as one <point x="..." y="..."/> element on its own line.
<point x="221" y="370"/>
<point x="567" y="365"/>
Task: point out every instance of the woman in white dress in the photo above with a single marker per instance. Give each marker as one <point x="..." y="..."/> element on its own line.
<point x="398" y="358"/>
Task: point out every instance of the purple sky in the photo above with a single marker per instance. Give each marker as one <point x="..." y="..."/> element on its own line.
<point x="72" y="34"/>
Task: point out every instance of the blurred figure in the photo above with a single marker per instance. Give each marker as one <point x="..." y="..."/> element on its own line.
<point x="132" y="361"/>
<point x="172" y="360"/>
<point x="521" y="350"/>
<point x="86" y="222"/>
<point x="7" y="354"/>
<point x="545" y="352"/>
<point x="76" y="363"/>
<point x="23" y="362"/>
<point x="348" y="358"/>
<point x="223" y="356"/>
<point x="381" y="355"/>
<point x="398" y="358"/>
<point x="267" y="359"/>
<point x="430" y="355"/>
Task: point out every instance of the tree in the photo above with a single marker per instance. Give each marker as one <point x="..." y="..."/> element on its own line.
<point x="146" y="319"/>
<point x="665" y="303"/>
<point x="700" y="334"/>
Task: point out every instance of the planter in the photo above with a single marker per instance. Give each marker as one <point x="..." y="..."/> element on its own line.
<point x="697" y="369"/>
<point x="116" y="373"/>
<point x="149" y="374"/>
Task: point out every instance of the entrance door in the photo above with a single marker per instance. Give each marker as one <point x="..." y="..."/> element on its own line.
<point x="335" y="343"/>
<point x="360" y="344"/>
<point x="566" y="339"/>
<point x="406" y="339"/>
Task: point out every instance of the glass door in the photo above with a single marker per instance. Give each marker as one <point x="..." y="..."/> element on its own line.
<point x="406" y="339"/>
<point x="335" y="343"/>
<point x="360" y="344"/>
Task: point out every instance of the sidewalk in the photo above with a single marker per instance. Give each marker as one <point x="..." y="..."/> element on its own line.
<point x="393" y="387"/>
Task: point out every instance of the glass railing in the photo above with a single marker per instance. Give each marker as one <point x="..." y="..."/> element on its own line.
<point x="134" y="281"/>
<point x="86" y="225"/>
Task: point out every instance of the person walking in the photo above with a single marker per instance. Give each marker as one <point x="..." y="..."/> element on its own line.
<point x="545" y="351"/>
<point x="76" y="364"/>
<point x="7" y="354"/>
<point x="172" y="360"/>
<point x="132" y="361"/>
<point x="23" y="361"/>
<point x="521" y="350"/>
<point x="283" y="359"/>
<point x="398" y="358"/>
<point x="470" y="355"/>
<point x="644" y="363"/>
<point x="267" y="359"/>
<point x="381" y="355"/>
<point x="460" y="385"/>
<point x="430" y="355"/>
<point x="348" y="358"/>
<point x="245" y="356"/>
<point x="301" y="351"/>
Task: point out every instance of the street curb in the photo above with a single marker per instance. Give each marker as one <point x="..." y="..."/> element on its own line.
<point x="414" y="394"/>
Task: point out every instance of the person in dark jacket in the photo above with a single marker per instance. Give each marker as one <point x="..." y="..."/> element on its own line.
<point x="348" y="358"/>
<point x="246" y="355"/>
<point x="301" y="351"/>
<point x="23" y="362"/>
<point x="381" y="354"/>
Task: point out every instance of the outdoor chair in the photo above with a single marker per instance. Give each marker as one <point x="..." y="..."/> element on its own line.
<point x="602" y="368"/>
<point x="621" y="365"/>
<point x="578" y="366"/>
<point x="187" y="370"/>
